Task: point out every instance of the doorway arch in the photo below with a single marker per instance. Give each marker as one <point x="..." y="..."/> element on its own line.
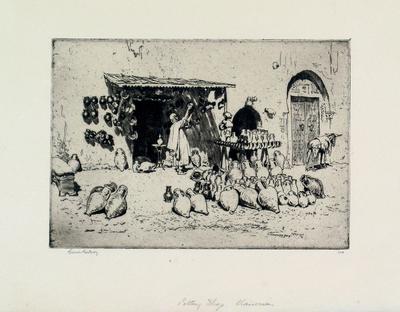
<point x="311" y="76"/>
<point x="306" y="99"/>
<point x="245" y="118"/>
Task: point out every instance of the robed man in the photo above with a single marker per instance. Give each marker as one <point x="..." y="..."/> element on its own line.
<point x="177" y="141"/>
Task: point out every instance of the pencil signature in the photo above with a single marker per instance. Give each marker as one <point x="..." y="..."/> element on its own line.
<point x="82" y="251"/>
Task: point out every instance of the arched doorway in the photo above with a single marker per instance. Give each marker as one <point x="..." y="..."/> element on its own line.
<point x="305" y="93"/>
<point x="245" y="118"/>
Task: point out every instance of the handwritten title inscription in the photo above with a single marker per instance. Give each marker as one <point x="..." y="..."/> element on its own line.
<point x="215" y="304"/>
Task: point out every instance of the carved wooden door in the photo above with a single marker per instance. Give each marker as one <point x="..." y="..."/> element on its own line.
<point x="312" y="115"/>
<point x="305" y="125"/>
<point x="298" y="129"/>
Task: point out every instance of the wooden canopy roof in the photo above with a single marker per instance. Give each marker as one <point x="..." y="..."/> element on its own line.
<point x="122" y="81"/>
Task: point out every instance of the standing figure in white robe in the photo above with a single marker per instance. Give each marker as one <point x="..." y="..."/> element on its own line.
<point x="177" y="141"/>
<point x="226" y="133"/>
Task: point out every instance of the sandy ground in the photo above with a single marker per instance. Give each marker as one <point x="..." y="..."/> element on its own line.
<point x="149" y="222"/>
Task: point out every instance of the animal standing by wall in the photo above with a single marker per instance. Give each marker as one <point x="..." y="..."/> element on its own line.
<point x="320" y="147"/>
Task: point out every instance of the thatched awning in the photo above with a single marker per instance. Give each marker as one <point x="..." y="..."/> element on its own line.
<point x="122" y="81"/>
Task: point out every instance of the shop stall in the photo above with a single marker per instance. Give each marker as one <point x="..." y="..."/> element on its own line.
<point x="145" y="104"/>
